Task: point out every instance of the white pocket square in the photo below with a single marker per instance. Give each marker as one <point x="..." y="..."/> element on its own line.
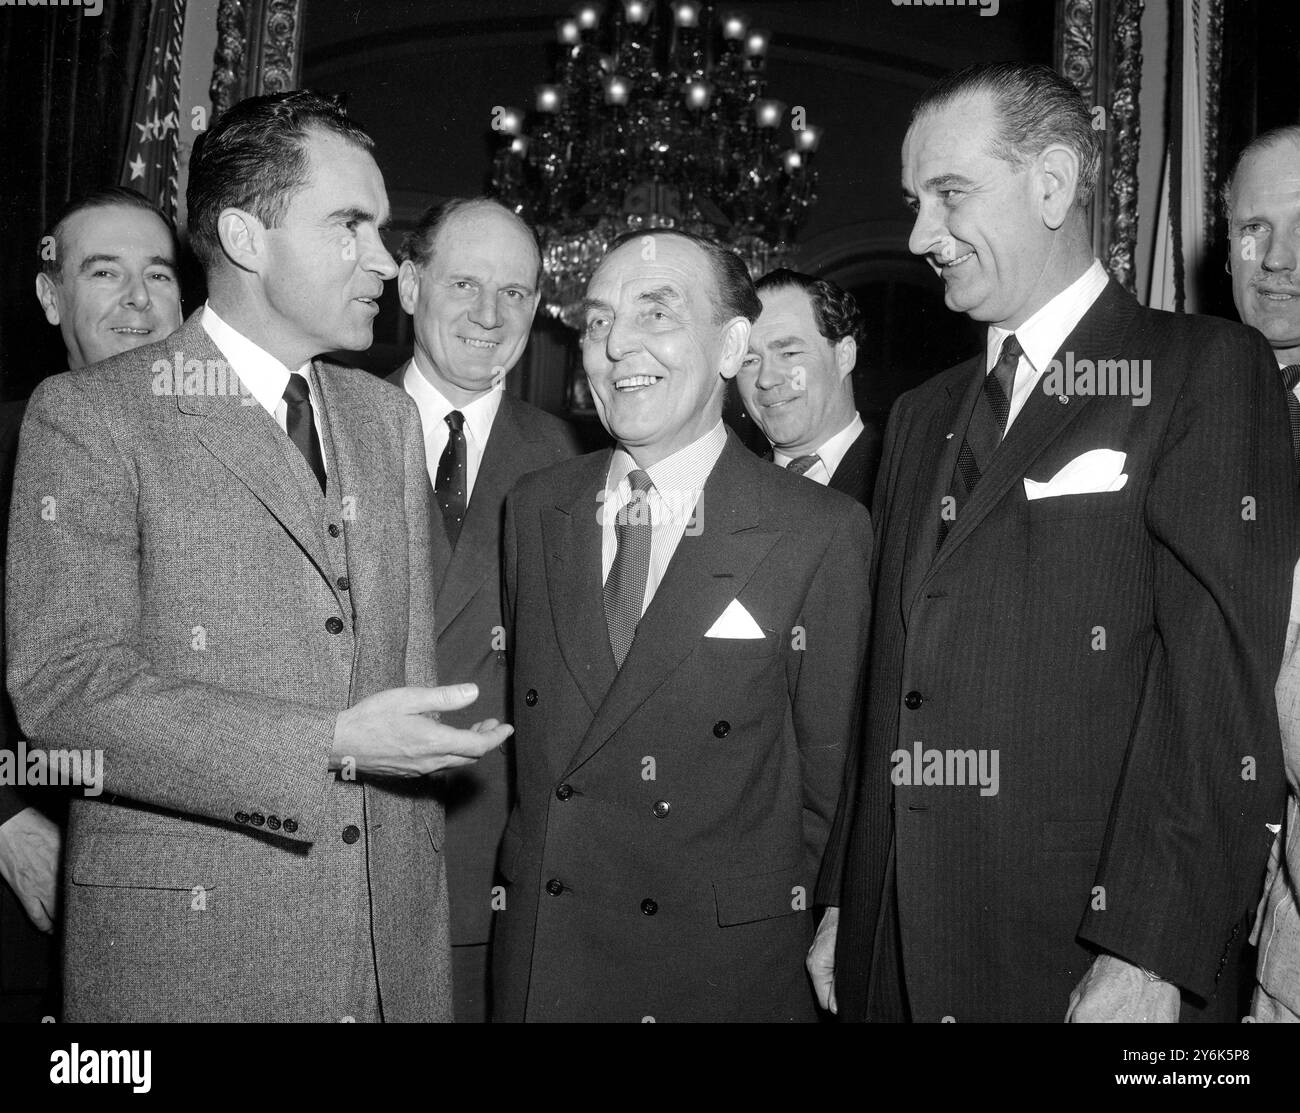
<point x="1102" y="469"/>
<point x="735" y="622"/>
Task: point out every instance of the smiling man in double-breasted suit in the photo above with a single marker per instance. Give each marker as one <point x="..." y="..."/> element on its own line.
<point x="689" y="625"/>
<point x="1071" y="748"/>
<point x="469" y="277"/>
<point x="219" y="579"/>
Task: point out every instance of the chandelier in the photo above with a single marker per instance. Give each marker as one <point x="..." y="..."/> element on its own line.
<point x="658" y="117"/>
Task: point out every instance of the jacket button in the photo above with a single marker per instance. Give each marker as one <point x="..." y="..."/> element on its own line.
<point x="273" y="823"/>
<point x="291" y="825"/>
<point x="721" y="729"/>
<point x="333" y="530"/>
<point x="257" y="819"/>
<point x="564" y="792"/>
<point x="343" y="583"/>
<point x="913" y="700"/>
<point x="241" y="817"/>
<point x="661" y="808"/>
<point x="649" y="907"/>
<point x="350" y="834"/>
<point x="334" y="624"/>
<point x="530" y="697"/>
<point x="555" y="886"/>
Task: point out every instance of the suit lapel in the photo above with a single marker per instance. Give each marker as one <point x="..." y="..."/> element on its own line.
<point x="571" y="542"/>
<point x="708" y="571"/>
<point x="941" y="438"/>
<point x="1043" y="418"/>
<point x="248" y="442"/>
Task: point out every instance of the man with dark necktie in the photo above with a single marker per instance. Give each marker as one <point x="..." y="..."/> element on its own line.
<point x="1085" y="550"/>
<point x="797" y="383"/>
<point x="689" y="627"/>
<point x="470" y="277"/>
<point x="1262" y="201"/>
<point x="239" y="623"/>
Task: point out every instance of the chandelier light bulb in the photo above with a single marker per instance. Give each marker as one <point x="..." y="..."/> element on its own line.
<point x="566" y="31"/>
<point x="519" y="145"/>
<point x="588" y="16"/>
<point x="637" y="11"/>
<point x="687" y="12"/>
<point x="734" y="26"/>
<point x="510" y="121"/>
<point x="768" y="113"/>
<point x="793" y="161"/>
<point x="807" y="139"/>
<point x="617" y="89"/>
<point x="548" y="98"/>
<point x="698" y="94"/>
<point x="756" y="44"/>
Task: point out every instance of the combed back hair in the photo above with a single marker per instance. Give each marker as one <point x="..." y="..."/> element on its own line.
<point x="834" y="309"/>
<point x="418" y="243"/>
<point x="254" y="157"/>
<point x="108" y="197"/>
<point x="733" y="294"/>
<point x="1036" y="108"/>
<point x="1263" y="142"/>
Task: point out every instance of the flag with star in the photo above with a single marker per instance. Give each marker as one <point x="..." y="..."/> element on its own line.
<point x="152" y="164"/>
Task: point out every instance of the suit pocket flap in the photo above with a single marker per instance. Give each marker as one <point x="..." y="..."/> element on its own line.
<point x="742" y="900"/>
<point x="149" y="861"/>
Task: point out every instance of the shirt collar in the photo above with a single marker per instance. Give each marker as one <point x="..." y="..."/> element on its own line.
<point x="1042" y="335"/>
<point x="263" y="374"/>
<point x="434" y="407"/>
<point x="832" y="450"/>
<point x="687" y="469"/>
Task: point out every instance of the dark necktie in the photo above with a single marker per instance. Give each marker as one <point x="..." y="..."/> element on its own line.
<point x="1291" y="376"/>
<point x="301" y="426"/>
<point x="802" y="465"/>
<point x="625" y="586"/>
<point x="987" y="426"/>
<point x="450" y="483"/>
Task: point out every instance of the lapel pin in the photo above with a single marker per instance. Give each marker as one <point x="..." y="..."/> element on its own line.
<point x="947" y="436"/>
<point x="1063" y="399"/>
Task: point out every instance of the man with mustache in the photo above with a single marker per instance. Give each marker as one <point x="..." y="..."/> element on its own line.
<point x="1262" y="201"/>
<point x="219" y="578"/>
<point x="689" y="626"/>
<point x="108" y="280"/>
<point x="796" y="382"/>
<point x="1082" y="583"/>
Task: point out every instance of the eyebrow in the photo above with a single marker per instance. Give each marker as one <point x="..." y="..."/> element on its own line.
<point x="783" y="342"/>
<point x="661" y="295"/>
<point x="360" y="215"/>
<point x="94" y="260"/>
<point x="588" y="304"/>
<point x="943" y="180"/>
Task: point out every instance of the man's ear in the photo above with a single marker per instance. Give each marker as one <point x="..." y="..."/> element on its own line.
<point x="846" y="356"/>
<point x="243" y="239"/>
<point x="1058" y="174"/>
<point x="408" y="285"/>
<point x="735" y="342"/>
<point x="48" y="296"/>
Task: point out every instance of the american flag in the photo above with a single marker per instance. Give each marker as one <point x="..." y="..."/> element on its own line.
<point x="151" y="162"/>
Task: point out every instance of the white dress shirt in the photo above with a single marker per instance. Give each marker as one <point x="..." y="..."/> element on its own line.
<point x="263" y="374"/>
<point x="1042" y="335"/>
<point x="678" y="483"/>
<point x="434" y="408"/>
<point x="829" y="454"/>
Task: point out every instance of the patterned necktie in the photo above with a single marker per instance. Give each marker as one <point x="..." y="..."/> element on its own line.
<point x="450" y="483"/>
<point x="301" y="426"/>
<point x="987" y="426"/>
<point x="1291" y="376"/>
<point x="625" y="587"/>
<point x="802" y="465"/>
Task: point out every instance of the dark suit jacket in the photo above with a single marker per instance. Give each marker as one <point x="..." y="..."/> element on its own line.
<point x="672" y="815"/>
<point x="469" y="621"/>
<point x="1117" y="650"/>
<point x="856" y="475"/>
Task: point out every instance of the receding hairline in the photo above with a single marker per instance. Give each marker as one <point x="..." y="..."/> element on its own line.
<point x="60" y="232"/>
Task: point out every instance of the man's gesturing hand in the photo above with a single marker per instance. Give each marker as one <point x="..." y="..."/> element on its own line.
<point x="821" y="959"/>
<point x="29" y="861"/>
<point x="1114" y="990"/>
<point x="390" y="735"/>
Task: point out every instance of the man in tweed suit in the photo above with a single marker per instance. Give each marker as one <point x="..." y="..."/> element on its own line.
<point x="219" y="576"/>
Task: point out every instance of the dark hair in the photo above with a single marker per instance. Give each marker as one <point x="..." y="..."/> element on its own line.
<point x="1262" y="142"/>
<point x="834" y="309"/>
<point x="254" y="158"/>
<point x="734" y="290"/>
<point x="417" y="244"/>
<point x="1036" y="108"/>
<point x="108" y="197"/>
